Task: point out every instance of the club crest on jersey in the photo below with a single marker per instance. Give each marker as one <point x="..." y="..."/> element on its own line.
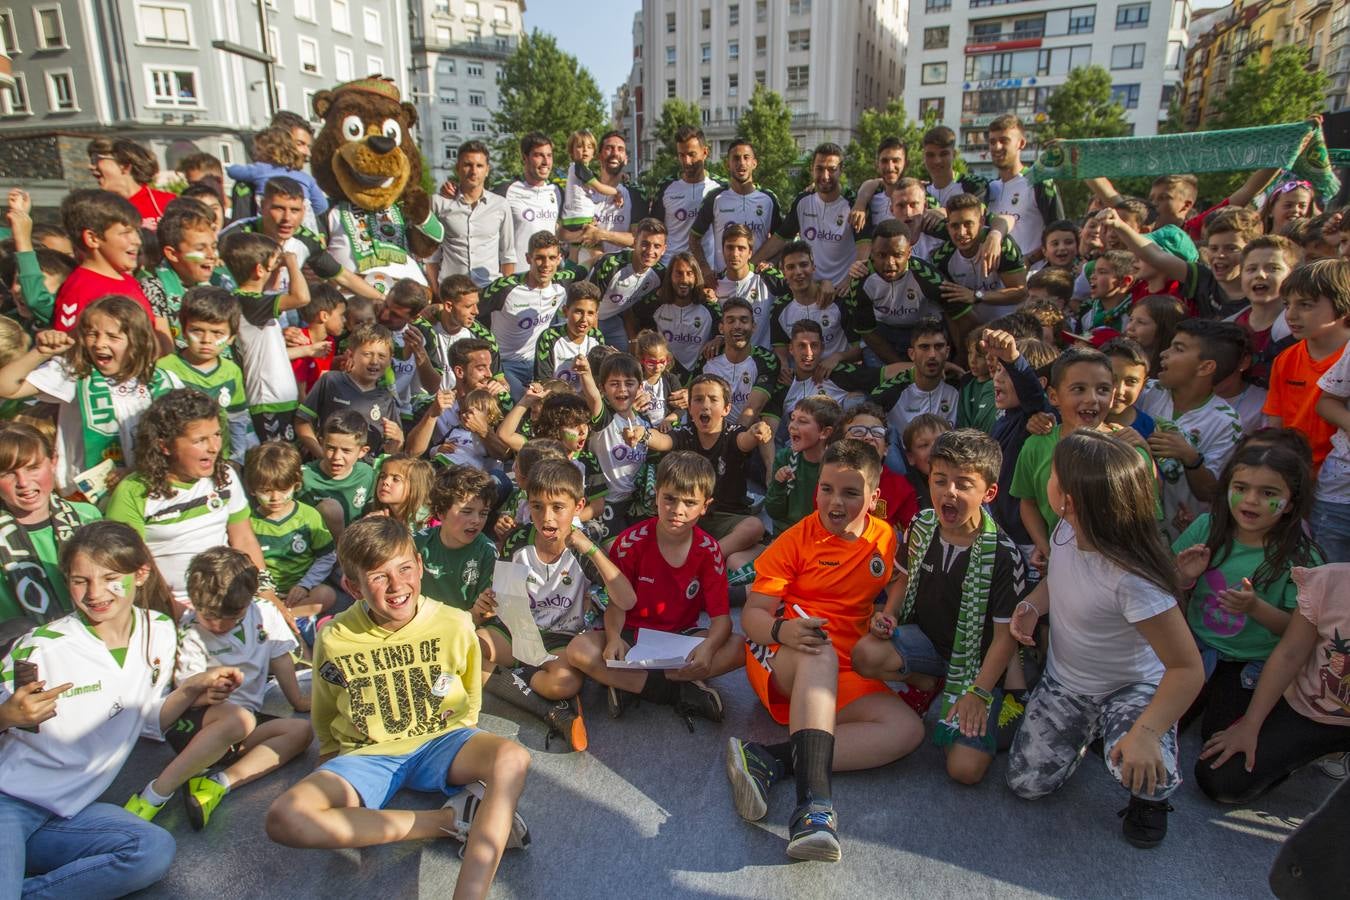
<point x="945" y="407"/>
<point x="692" y="591"/>
<point x="299" y="544"/>
<point x="374" y="414"/>
<point x="213" y="501"/>
<point x="470" y="571"/>
<point x="359" y="497"/>
<point x="566" y="578"/>
<point x="745" y="378"/>
<point x="154" y="671"/>
<point x="876" y="566"/>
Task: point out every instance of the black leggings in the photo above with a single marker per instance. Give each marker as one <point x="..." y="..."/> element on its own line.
<point x="1287" y="742"/>
<point x="1225" y="699"/>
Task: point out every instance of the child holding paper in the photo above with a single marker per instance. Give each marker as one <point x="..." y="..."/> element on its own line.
<point x="677" y="571"/>
<point x="559" y="564"/>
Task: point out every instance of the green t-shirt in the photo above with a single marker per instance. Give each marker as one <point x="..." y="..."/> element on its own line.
<point x="36" y="602"/>
<point x="1031" y="474"/>
<point x="291" y="545"/>
<point x="455" y="577"/>
<point x="1234" y="635"/>
<point x="352" y="492"/>
<point x="787" y="503"/>
<point x="225" y="383"/>
<point x="975" y="408"/>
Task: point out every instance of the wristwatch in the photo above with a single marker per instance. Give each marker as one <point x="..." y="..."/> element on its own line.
<point x="980" y="693"/>
<point x="979" y="296"/>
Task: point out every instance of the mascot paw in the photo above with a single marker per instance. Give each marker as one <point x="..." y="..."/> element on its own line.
<point x="416" y="205"/>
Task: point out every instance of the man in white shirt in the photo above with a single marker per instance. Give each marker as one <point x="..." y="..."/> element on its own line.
<point x="741" y="202"/>
<point x="678" y="200"/>
<point x="1012" y="194"/>
<point x="534" y="199"/>
<point x="480" y="238"/>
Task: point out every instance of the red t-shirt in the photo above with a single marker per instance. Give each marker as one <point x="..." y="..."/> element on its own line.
<point x="1294" y="393"/>
<point x="670" y="598"/>
<point x="308" y="369"/>
<point x="898" y="504"/>
<point x="1139" y="290"/>
<point x="1195" y="225"/>
<point x="84" y="286"/>
<point x="150" y="203"/>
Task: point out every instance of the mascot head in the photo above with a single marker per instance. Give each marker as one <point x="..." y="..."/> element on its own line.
<point x="365" y="150"/>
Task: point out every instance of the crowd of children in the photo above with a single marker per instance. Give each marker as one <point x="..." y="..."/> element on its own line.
<point x="1060" y="482"/>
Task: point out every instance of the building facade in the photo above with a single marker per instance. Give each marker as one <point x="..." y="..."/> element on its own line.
<point x="1254" y="29"/>
<point x="829" y="61"/>
<point x="458" y="48"/>
<point x="149" y="69"/>
<point x="973" y="60"/>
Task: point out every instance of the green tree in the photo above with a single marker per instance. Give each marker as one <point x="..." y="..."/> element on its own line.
<point x="675" y="114"/>
<point x="1284" y="90"/>
<point x="1082" y="108"/>
<point x="874" y="126"/>
<point x="767" y="124"/>
<point x="543" y="89"/>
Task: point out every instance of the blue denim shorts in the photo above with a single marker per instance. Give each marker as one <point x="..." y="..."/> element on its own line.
<point x="378" y="778"/>
<point x="918" y="656"/>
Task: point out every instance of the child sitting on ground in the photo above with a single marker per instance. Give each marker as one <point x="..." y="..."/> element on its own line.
<point x="679" y="572"/>
<point x="373" y="744"/>
<point x="457" y="557"/>
<point x="339" y="483"/>
<point x="229" y="626"/>
<point x="948" y="632"/>
<point x="562" y="566"/>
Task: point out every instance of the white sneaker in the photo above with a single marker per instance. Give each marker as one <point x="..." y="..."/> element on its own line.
<point x="465" y="804"/>
<point x="1334" y="765"/>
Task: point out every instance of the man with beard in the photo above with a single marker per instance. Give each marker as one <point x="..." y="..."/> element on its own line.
<point x="534" y="199"/>
<point x="920" y="390"/>
<point x="614" y="225"/>
<point x="995" y="294"/>
<point x="739" y="203"/>
<point x="625" y="278"/>
<point x="821" y="218"/>
<point x="752" y="372"/>
<point x="681" y="312"/>
<point x="901" y="289"/>
<point x="678" y="200"/>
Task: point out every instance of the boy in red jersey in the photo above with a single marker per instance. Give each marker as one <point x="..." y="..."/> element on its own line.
<point x="812" y="600"/>
<point x="677" y="572"/>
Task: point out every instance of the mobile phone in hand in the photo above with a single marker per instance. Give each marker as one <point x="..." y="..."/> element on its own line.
<point x="25" y="672"/>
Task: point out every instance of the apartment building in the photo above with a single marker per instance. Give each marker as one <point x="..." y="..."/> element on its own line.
<point x="829" y="61"/>
<point x="459" y="47"/>
<point x="973" y="60"/>
<point x="162" y="72"/>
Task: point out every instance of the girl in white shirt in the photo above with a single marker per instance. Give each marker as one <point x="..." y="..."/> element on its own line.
<point x="1122" y="664"/>
<point x="109" y="665"/>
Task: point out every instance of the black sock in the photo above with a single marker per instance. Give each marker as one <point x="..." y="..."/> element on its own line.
<point x="505" y="686"/>
<point x="813" y="760"/>
<point x="783" y="754"/>
<point x="659" y="689"/>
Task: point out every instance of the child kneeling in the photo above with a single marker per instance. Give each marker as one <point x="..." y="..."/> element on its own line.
<point x="396" y="643"/>
<point x="965" y="579"/>
<point x="228" y="626"/>
<point x="677" y="571"/>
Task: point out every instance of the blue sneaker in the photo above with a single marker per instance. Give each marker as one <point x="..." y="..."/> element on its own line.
<point x="814" y="833"/>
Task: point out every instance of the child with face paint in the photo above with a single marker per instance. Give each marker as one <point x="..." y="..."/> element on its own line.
<point x="296" y="544"/>
<point x="104" y="674"/>
<point x="208" y="320"/>
<point x="1236" y="561"/>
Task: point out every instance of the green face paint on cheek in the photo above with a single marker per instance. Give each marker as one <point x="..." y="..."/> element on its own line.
<point x="1277" y="505"/>
<point x="1234" y="499"/>
<point x="123" y="586"/>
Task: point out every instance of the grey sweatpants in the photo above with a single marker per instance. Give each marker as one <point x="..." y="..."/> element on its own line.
<point x="1058" y="727"/>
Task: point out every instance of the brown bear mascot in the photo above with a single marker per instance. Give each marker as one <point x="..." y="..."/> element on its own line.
<point x="365" y="160"/>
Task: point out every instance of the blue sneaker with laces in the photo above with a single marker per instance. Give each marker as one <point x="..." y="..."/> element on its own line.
<point x="814" y="833"/>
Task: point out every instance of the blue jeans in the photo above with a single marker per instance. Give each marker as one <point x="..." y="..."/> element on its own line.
<point x="615" y="334"/>
<point x="519" y="373"/>
<point x="101" y="851"/>
<point x="1331" y="529"/>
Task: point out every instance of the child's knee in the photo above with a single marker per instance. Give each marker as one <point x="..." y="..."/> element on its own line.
<point x="510" y="764"/>
<point x="583" y="650"/>
<point x="286" y="819"/>
<point x="234" y="721"/>
<point x="968" y="767"/>
<point x="870" y="655"/>
<point x="324" y="596"/>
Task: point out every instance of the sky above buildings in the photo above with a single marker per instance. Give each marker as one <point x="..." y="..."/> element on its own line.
<point x="601" y="37"/>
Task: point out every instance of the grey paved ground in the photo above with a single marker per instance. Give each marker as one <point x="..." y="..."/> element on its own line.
<point x="646" y="813"/>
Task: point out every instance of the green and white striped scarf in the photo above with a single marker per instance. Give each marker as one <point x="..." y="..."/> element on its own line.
<point x="966" y="660"/>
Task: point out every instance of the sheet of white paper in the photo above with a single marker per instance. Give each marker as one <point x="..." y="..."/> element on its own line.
<point x="657" y="650"/>
<point x="513" y="608"/>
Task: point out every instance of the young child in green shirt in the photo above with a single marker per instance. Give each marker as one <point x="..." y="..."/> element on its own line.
<point x="796" y="467"/>
<point x="296" y="544"/>
<point x="339" y="484"/>
<point x="457" y="556"/>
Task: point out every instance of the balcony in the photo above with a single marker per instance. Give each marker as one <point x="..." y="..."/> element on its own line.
<point x="484" y="49"/>
<point x="1002" y="36"/>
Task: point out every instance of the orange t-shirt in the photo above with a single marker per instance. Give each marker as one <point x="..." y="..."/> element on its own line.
<point x="1294" y="394"/>
<point x="830" y="578"/>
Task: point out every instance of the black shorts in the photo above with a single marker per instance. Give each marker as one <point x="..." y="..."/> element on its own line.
<point x="554" y="641"/>
<point x="180" y="733"/>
